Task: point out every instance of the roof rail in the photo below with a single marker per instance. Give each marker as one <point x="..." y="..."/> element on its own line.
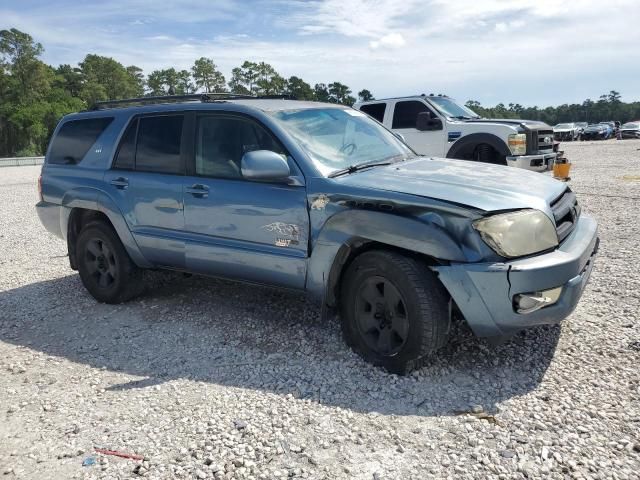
<point x="202" y="97"/>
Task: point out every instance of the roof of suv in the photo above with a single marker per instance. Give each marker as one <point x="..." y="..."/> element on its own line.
<point x="244" y="104"/>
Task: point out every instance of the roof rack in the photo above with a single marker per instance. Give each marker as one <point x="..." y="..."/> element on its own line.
<point x="202" y="97"/>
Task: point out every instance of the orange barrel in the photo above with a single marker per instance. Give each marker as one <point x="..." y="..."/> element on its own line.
<point x="561" y="170"/>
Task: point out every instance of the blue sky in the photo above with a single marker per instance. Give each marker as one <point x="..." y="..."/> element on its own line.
<point x="533" y="52"/>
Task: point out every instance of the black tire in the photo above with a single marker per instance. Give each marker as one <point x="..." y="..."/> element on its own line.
<point x="487" y="154"/>
<point x="105" y="268"/>
<point x="395" y="333"/>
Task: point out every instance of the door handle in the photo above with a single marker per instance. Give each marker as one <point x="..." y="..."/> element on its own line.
<point x="198" y="190"/>
<point x="120" y="183"/>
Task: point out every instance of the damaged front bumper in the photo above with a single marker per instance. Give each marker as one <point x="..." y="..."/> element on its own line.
<point x="499" y="299"/>
<point x="537" y="163"/>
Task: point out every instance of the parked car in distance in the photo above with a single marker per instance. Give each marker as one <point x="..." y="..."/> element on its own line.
<point x="318" y="198"/>
<point x="630" y="129"/>
<point x="597" y="131"/>
<point x="436" y="125"/>
<point x="566" y="132"/>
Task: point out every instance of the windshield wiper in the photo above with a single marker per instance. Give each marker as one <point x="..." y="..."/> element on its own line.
<point x="357" y="167"/>
<point x="462" y="117"/>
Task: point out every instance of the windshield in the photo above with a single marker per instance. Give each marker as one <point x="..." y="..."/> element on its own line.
<point x="564" y="125"/>
<point x="451" y="109"/>
<point x="631" y="125"/>
<point x="337" y="138"/>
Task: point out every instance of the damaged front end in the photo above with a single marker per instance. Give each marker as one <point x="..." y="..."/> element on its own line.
<point x="499" y="299"/>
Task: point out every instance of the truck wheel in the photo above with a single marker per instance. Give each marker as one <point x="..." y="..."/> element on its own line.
<point x="104" y="265"/>
<point x="487" y="154"/>
<point x="394" y="310"/>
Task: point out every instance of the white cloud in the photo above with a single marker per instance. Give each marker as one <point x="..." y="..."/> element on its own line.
<point x="392" y="40"/>
<point x="489" y="50"/>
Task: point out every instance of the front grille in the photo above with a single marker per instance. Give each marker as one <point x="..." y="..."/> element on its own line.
<point x="566" y="212"/>
<point x="545" y="146"/>
<point x="536" y="141"/>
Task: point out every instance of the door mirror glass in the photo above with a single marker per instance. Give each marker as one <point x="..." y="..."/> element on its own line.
<point x="426" y="122"/>
<point x="264" y="165"/>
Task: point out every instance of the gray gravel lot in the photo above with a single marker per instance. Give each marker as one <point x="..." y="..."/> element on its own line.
<point x="209" y="379"/>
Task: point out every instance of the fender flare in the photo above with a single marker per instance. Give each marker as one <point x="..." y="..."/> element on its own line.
<point x="474" y="139"/>
<point x="351" y="228"/>
<point x="94" y="199"/>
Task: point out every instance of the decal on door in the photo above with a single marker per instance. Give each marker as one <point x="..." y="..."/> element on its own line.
<point x="287" y="234"/>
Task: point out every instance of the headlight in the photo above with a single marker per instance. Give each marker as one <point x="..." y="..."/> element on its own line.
<point x="518" y="233"/>
<point x="518" y="143"/>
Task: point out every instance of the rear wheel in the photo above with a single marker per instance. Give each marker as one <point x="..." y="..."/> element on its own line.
<point x="105" y="268"/>
<point x="394" y="310"/>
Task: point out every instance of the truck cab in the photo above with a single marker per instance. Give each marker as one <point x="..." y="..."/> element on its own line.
<point x="438" y="126"/>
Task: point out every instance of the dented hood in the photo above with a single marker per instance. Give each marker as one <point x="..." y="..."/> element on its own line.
<point x="479" y="185"/>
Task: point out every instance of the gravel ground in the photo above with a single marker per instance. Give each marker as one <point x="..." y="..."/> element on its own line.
<point x="209" y="379"/>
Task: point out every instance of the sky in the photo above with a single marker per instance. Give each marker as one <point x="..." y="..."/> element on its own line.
<point x="532" y="52"/>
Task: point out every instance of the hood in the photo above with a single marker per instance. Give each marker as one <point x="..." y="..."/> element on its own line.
<point x="531" y="124"/>
<point x="560" y="130"/>
<point x="479" y="185"/>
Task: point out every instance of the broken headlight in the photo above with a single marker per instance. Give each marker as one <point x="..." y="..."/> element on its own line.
<point x="519" y="233"/>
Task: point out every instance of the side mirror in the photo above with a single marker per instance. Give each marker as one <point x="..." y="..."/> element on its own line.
<point x="264" y="165"/>
<point x="426" y="122"/>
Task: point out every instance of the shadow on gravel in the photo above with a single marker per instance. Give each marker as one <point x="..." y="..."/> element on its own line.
<point x="257" y="338"/>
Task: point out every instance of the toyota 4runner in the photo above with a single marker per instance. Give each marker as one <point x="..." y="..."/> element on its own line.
<point x="319" y="198"/>
<point x="437" y="126"/>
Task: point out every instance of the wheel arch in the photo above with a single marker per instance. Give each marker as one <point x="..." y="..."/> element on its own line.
<point x="102" y="209"/>
<point x="465" y="146"/>
<point x="351" y="233"/>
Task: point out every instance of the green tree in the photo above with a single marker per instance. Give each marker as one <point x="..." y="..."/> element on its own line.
<point x="207" y="76"/>
<point x="244" y="78"/>
<point x="169" y="82"/>
<point x="321" y="92"/>
<point x="340" y="93"/>
<point x="106" y="79"/>
<point x="365" y="95"/>
<point x="299" y="89"/>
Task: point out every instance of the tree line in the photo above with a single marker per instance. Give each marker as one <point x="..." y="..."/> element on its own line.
<point x="34" y="95"/>
<point x="608" y="107"/>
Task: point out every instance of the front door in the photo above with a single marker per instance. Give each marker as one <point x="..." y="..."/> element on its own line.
<point x="146" y="183"/>
<point x="235" y="228"/>
<point x="405" y="116"/>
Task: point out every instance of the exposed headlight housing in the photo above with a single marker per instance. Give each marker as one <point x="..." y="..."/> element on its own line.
<point x="519" y="233"/>
<point x="518" y="143"/>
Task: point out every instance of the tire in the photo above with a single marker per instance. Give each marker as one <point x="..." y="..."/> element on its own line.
<point x="105" y="268"/>
<point x="394" y="310"/>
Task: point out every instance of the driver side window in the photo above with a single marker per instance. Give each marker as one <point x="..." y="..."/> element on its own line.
<point x="221" y="141"/>
<point x="405" y="114"/>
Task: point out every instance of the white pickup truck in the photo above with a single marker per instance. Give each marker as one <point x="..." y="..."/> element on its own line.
<point x="435" y="125"/>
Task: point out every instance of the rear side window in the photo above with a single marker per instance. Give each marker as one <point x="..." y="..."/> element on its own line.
<point x="375" y="110"/>
<point x="158" y="146"/>
<point x="406" y="113"/>
<point x="126" y="157"/>
<point x="75" y="138"/>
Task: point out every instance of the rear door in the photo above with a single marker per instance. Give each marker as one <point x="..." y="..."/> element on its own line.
<point x="236" y="228"/>
<point x="146" y="182"/>
<point x="405" y="115"/>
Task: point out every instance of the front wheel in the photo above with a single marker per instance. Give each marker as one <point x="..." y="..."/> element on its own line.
<point x="105" y="268"/>
<point x="394" y="310"/>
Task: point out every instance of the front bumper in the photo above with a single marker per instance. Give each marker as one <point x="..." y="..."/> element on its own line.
<point x="537" y="163"/>
<point x="630" y="133"/>
<point x="485" y="292"/>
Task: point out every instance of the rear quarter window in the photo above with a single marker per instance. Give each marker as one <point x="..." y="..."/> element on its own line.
<point x="75" y="138"/>
<point x="375" y="110"/>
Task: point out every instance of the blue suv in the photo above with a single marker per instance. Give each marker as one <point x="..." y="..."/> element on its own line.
<point x="320" y="198"/>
